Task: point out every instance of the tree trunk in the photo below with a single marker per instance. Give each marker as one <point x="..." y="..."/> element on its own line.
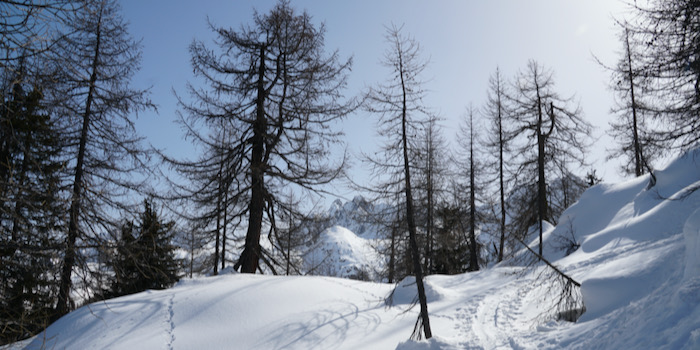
<point x="218" y="223"/>
<point x="638" y="167"/>
<point x="249" y="259"/>
<point x="412" y="223"/>
<point x="429" y="226"/>
<point x="226" y="180"/>
<point x="289" y="246"/>
<point x="501" y="243"/>
<point x="473" y="251"/>
<point x="392" y="256"/>
<point x="192" y="253"/>
<point x="541" y="184"/>
<point x="62" y="304"/>
<point x="223" y="234"/>
<point x="290" y="224"/>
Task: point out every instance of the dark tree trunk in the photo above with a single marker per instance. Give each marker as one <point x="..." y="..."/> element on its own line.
<point x="541" y="182"/>
<point x="638" y="158"/>
<point x="63" y="302"/>
<point x="250" y="256"/>
<point x="473" y="251"/>
<point x="218" y="223"/>
<point x="289" y="246"/>
<point x="192" y="256"/>
<point x="502" y="191"/>
<point x="429" y="226"/>
<point x="425" y="320"/>
<point x="392" y="256"/>
<point x="223" y="234"/>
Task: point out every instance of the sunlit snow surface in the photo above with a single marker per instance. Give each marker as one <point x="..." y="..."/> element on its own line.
<point x="639" y="264"/>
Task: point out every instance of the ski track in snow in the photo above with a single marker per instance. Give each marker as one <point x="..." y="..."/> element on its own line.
<point x="349" y="284"/>
<point x="490" y="316"/>
<point x="170" y="323"/>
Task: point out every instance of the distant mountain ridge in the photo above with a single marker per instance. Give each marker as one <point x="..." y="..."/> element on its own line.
<point x="347" y="246"/>
<point x="356" y="215"/>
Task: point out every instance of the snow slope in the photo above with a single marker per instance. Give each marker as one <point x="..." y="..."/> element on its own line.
<point x="233" y="312"/>
<point x="341" y="253"/>
<point x="356" y="215"/>
<point x="638" y="262"/>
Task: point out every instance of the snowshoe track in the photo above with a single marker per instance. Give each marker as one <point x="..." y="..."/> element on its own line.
<point x="170" y="323"/>
<point x="489" y="316"/>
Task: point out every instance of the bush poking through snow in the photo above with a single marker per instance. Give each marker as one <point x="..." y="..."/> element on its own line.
<point x="567" y="241"/>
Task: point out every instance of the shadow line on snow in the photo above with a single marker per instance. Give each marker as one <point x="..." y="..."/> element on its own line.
<point x="325" y="329"/>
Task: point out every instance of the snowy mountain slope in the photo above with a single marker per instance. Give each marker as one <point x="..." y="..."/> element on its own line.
<point x="638" y="262"/>
<point x="348" y="246"/>
<point x="339" y="252"/>
<point x="356" y="216"/>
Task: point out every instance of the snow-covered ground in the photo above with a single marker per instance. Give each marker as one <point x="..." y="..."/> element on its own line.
<point x="638" y="262"/>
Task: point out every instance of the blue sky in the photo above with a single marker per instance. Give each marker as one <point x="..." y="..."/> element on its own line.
<point x="464" y="40"/>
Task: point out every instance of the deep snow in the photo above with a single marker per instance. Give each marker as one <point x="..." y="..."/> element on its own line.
<point x="638" y="262"/>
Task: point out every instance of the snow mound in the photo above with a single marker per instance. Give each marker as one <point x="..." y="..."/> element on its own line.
<point x="237" y="311"/>
<point x="406" y="292"/>
<point x="434" y="343"/>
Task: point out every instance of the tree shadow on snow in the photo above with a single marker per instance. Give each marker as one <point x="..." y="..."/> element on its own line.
<point x="324" y="328"/>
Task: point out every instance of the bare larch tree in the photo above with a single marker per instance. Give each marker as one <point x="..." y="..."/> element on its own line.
<point x="549" y="125"/>
<point x="497" y="141"/>
<point x="94" y="65"/>
<point x="278" y="91"/>
<point x="398" y="103"/>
